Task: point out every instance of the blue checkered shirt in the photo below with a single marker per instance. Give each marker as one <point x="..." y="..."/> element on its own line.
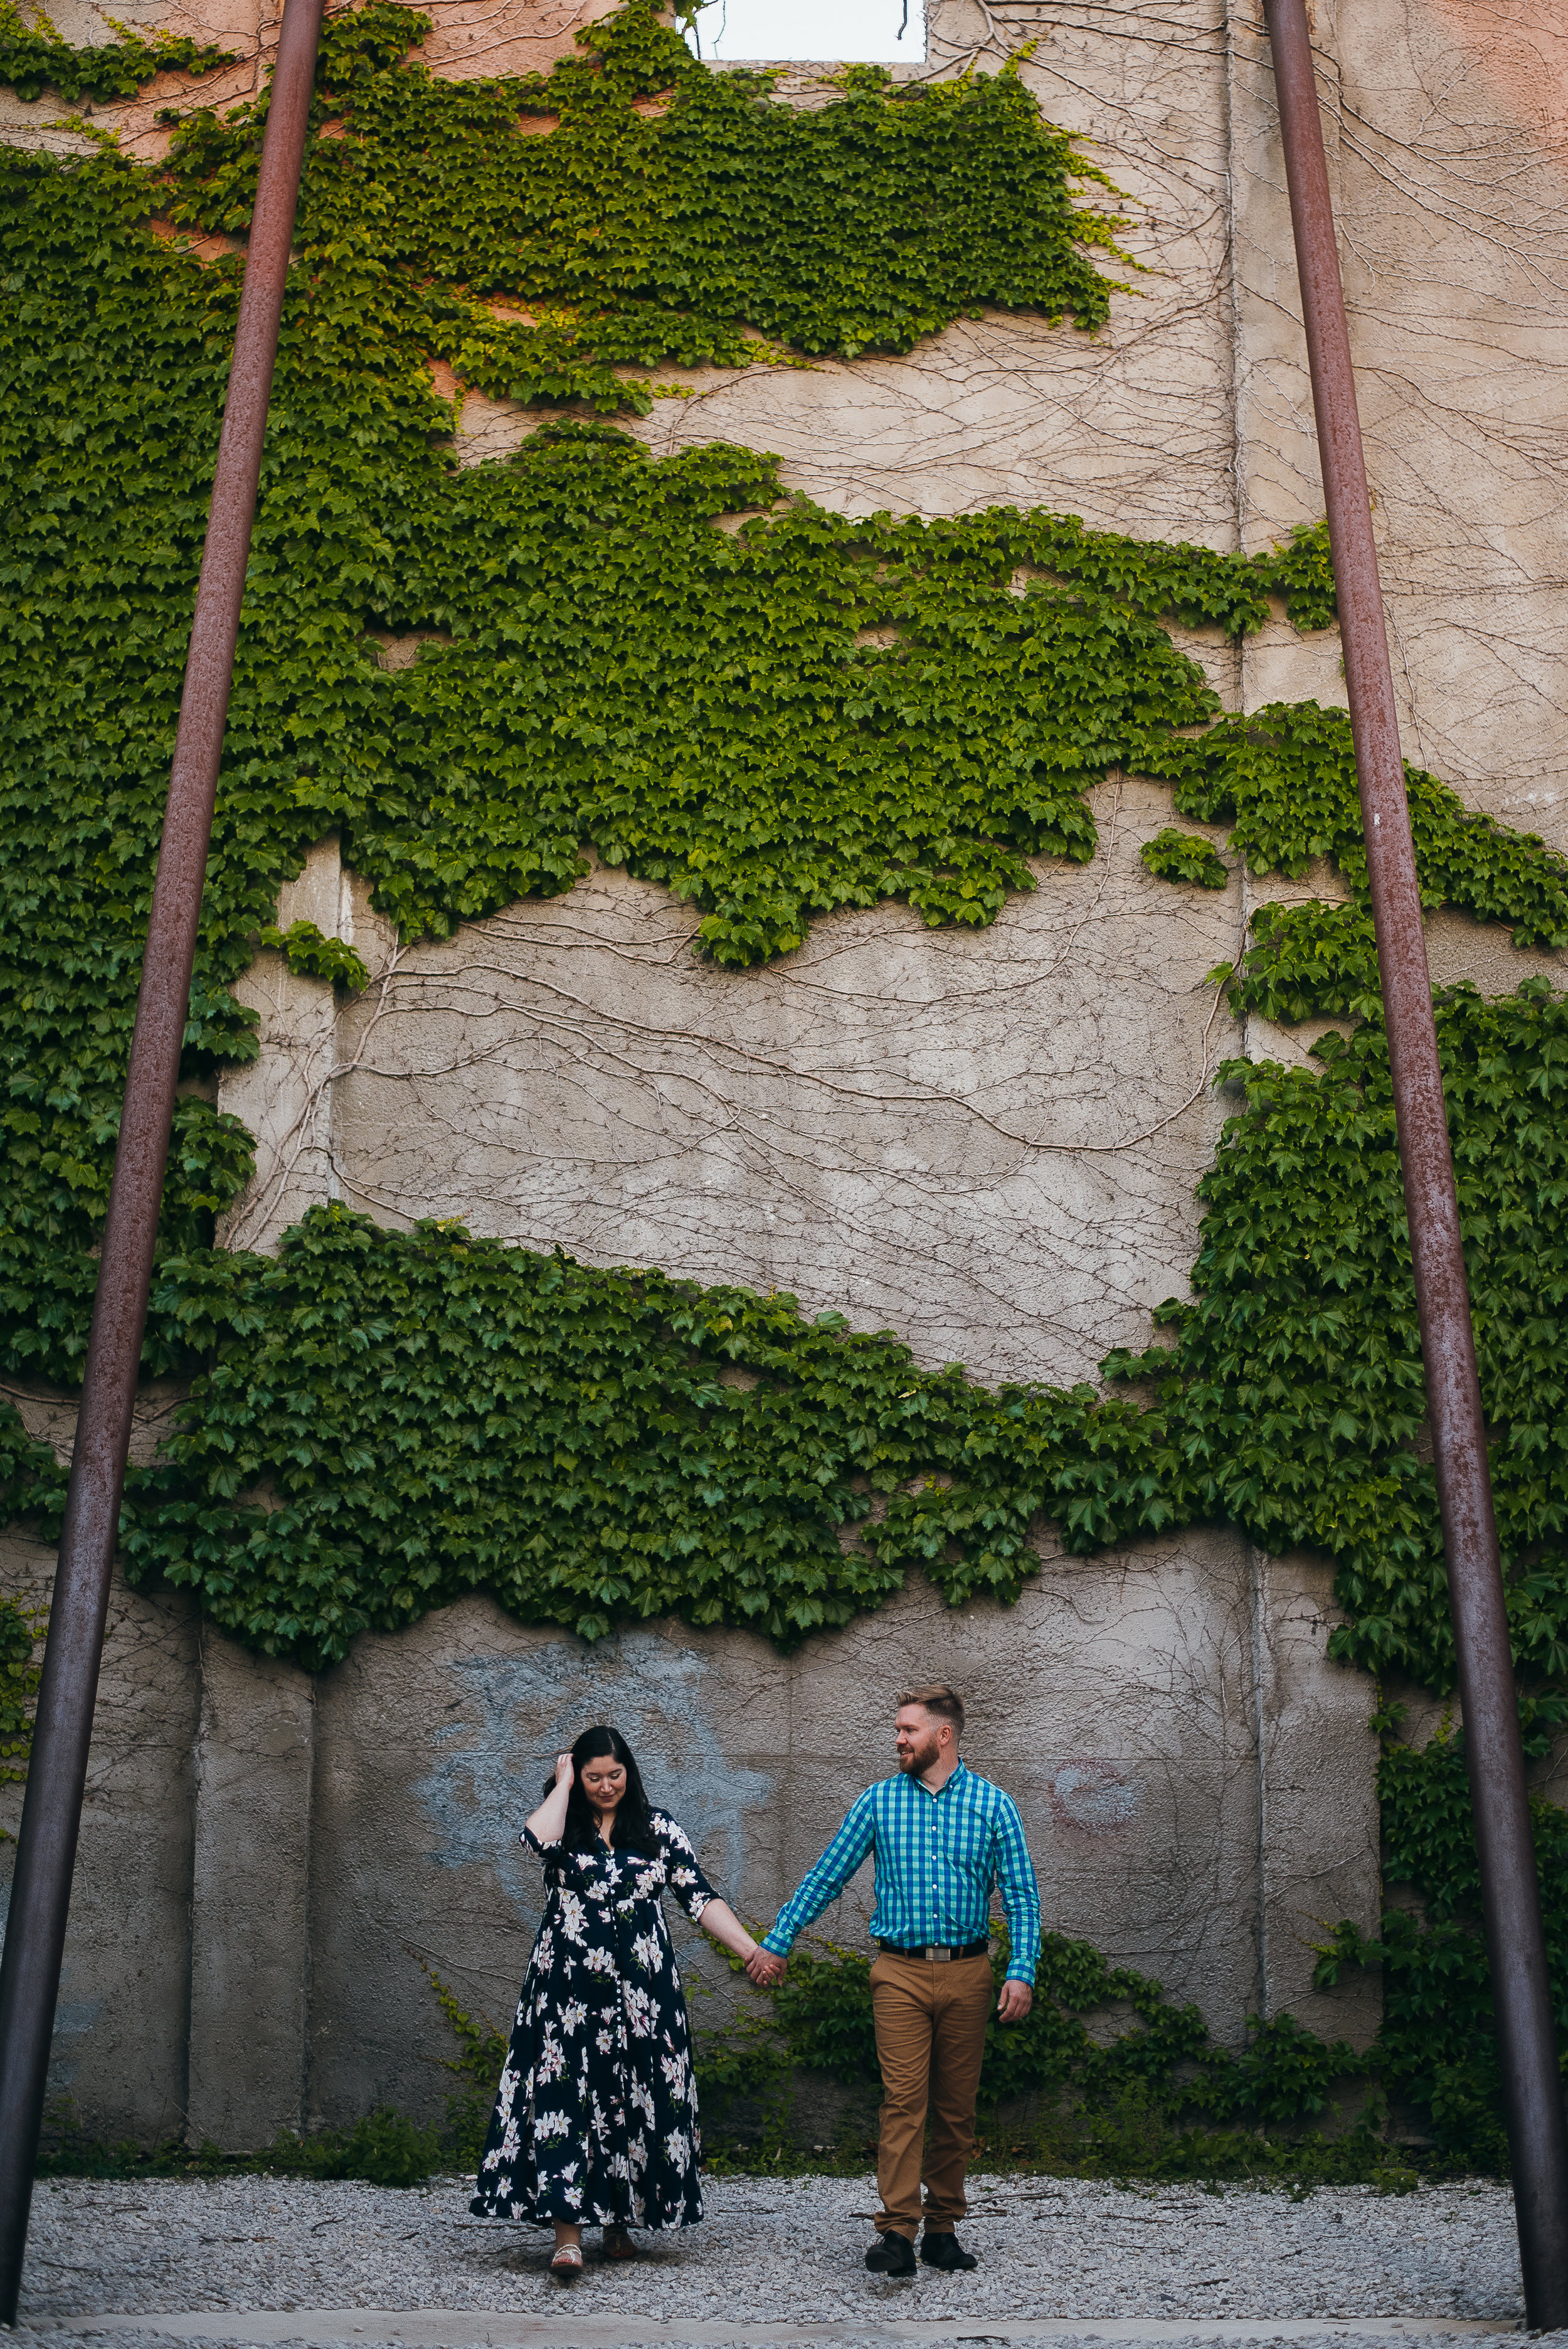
<point x="937" y="1856"/>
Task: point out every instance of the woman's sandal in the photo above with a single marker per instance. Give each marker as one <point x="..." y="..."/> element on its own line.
<point x="618" y="2244"/>
<point x="568" y="2259"/>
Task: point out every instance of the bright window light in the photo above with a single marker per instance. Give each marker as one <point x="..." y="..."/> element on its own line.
<point x="837" y="32"/>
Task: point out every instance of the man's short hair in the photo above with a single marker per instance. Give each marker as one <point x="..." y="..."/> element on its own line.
<point x="943" y="1702"/>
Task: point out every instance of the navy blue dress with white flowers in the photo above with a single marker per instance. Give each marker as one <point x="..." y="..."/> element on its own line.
<point x="595" y="2119"/>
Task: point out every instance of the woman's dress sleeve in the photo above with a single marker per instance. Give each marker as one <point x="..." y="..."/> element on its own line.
<point x="554" y="1855"/>
<point x="684" y="1877"/>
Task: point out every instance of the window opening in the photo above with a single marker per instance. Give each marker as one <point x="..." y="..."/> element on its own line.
<point x="819" y="32"/>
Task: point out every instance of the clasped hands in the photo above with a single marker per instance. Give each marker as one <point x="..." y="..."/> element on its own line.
<point x="765" y="1969"/>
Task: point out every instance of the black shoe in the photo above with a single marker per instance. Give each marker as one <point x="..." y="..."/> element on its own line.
<point x="891" y="2255"/>
<point x="947" y="2252"/>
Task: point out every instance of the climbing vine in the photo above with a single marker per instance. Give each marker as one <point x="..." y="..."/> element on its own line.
<point x="1293" y="1396"/>
<point x="310" y="955"/>
<point x="394" y="1418"/>
<point x="693" y="702"/>
<point x="773" y="720"/>
<point x="33" y="59"/>
<point x="1151" y="2094"/>
<point x="1177" y="856"/>
<point x="701" y="705"/>
<point x="1285" y="779"/>
<point x="1437" y="2046"/>
<point x="19" y="1634"/>
<point x="546" y="232"/>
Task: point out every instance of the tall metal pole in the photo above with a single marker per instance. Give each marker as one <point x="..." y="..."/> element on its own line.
<point x="51" y="1814"/>
<point x="1510" y="1892"/>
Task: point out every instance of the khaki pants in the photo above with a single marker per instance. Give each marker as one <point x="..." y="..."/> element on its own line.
<point x="931" y="2022"/>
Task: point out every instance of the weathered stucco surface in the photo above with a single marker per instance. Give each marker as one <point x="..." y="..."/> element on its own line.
<point x="122" y="2024"/>
<point x="991" y="1142"/>
<point x="987" y="1141"/>
<point x="269" y="1862"/>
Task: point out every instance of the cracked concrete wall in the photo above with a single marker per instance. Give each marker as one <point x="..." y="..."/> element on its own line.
<point x="989" y="1141"/>
<point x="1120" y="1702"/>
<point x="270" y="1864"/>
<point x="119" y="2065"/>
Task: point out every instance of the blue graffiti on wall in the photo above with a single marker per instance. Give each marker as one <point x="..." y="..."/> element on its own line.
<point x="518" y="1712"/>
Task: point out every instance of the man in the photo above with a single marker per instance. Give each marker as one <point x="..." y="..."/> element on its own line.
<point x="942" y="1838"/>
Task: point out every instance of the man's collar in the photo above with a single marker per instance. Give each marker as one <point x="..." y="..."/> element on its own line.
<point x="957" y="1771"/>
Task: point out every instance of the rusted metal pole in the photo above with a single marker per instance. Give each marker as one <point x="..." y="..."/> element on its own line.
<point x="41" y="1886"/>
<point x="1510" y="1892"/>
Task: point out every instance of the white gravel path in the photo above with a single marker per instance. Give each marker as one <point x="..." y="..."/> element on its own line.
<point x="771" y="2252"/>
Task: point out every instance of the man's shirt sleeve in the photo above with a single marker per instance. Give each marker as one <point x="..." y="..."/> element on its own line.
<point x="1020" y="1893"/>
<point x="828" y="1877"/>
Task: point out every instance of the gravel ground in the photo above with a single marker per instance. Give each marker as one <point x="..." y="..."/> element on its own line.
<point x="776" y="2250"/>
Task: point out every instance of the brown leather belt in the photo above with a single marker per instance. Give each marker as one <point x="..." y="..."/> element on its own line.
<point x="932" y="1954"/>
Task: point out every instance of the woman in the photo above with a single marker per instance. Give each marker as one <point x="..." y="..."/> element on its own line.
<point x="595" y="2119"/>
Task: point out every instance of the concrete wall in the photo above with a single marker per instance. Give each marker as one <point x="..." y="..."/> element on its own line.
<point x="122" y="2026"/>
<point x="268" y="1861"/>
<point x="989" y="1141"/>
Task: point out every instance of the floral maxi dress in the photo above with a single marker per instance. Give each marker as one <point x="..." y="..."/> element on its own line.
<point x="595" y="2118"/>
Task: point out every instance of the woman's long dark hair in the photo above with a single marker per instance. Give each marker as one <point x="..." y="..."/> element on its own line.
<point x="631" y="1829"/>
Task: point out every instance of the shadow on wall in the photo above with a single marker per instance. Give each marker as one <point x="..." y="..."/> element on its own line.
<point x="525" y="1710"/>
<point x="74" y="2018"/>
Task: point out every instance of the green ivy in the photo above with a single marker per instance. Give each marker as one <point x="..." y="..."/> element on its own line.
<point x="392" y="1418"/>
<point x="738" y="744"/>
<point x="1437" y="2046"/>
<point x="1301" y="572"/>
<point x="691" y="702"/>
<point x="1185" y="856"/>
<point x="22" y="1464"/>
<point x="310" y="955"/>
<point x="1199" y="2109"/>
<point x="383" y="1421"/>
<point x="1285" y="779"/>
<point x="1294" y="1394"/>
<point x="19" y="1692"/>
<point x="34" y="58"/>
<point x="668" y="214"/>
<point x="477" y="2067"/>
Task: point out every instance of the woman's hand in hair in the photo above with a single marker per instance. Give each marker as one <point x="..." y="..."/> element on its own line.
<point x="548" y="1823"/>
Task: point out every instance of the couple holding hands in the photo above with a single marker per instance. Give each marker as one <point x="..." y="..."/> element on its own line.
<point x="595" y="2120"/>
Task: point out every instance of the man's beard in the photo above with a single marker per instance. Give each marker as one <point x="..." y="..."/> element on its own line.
<point x="922" y="1758"/>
